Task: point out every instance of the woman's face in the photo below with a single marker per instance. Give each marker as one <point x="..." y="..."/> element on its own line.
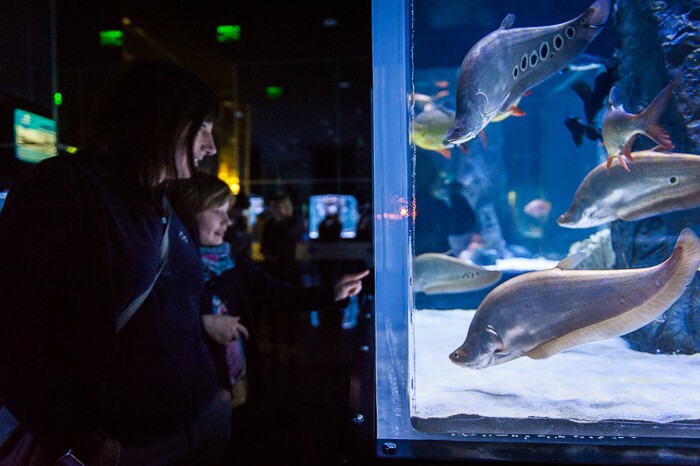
<point x="212" y="224"/>
<point x="203" y="146"/>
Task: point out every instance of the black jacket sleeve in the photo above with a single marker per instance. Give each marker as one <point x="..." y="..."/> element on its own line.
<point x="57" y="329"/>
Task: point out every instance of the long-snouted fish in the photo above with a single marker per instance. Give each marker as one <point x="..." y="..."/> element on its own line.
<point x="508" y="62"/>
<point x="620" y="128"/>
<point x="660" y="183"/>
<point x="436" y="273"/>
<point x="539" y="314"/>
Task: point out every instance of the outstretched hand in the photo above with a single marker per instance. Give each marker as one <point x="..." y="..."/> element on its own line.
<point x="349" y="285"/>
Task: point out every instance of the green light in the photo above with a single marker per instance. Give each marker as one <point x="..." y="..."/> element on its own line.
<point x="273" y="92"/>
<point x="57" y="99"/>
<point x="71" y="149"/>
<point x="113" y="38"/>
<point x="228" y="33"/>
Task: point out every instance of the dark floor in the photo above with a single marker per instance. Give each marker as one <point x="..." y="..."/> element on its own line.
<point x="301" y="414"/>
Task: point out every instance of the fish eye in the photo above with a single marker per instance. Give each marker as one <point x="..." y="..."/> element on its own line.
<point x="544" y="50"/>
<point x="570" y="32"/>
<point x="516" y="72"/>
<point x="534" y="59"/>
<point x="584" y="20"/>
<point x="558" y="42"/>
<point x="673" y="180"/>
<point x="523" y="63"/>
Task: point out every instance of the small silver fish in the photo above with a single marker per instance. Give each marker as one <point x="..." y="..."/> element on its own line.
<point x="508" y="62"/>
<point x="660" y="183"/>
<point x="436" y="273"/>
<point x="620" y="128"/>
<point x="538" y="208"/>
<point x="539" y="314"/>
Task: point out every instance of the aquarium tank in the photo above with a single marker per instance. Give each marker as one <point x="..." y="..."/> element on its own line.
<point x="536" y="194"/>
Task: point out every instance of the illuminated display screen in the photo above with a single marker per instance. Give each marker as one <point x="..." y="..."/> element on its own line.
<point x="35" y="136"/>
<point x="344" y="204"/>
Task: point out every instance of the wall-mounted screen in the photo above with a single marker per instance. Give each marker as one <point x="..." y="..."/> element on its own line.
<point x="346" y="206"/>
<point x="35" y="136"/>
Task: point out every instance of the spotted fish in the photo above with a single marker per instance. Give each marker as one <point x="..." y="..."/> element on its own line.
<point x="436" y="273"/>
<point x="539" y="314"/>
<point x="506" y="63"/>
<point x="660" y="183"/>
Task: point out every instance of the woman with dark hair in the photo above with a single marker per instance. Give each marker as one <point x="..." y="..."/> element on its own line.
<point x="85" y="238"/>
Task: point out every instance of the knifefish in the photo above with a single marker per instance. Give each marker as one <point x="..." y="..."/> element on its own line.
<point x="508" y="62"/>
<point x="539" y="314"/>
<point x="620" y="128"/>
<point x="436" y="273"/>
<point x="660" y="183"/>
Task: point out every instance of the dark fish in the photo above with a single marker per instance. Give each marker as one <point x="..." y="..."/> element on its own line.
<point x="620" y="128"/>
<point x="659" y="183"/>
<point x="539" y="314"/>
<point x="435" y="273"/>
<point x="593" y="98"/>
<point x="507" y="62"/>
<point x="578" y="129"/>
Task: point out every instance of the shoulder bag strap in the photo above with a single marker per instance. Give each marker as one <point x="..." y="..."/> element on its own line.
<point x="136" y="303"/>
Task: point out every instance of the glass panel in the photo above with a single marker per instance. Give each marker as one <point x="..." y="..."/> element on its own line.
<point x="457" y="217"/>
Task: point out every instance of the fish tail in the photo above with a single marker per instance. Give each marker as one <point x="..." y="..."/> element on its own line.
<point x="601" y="13"/>
<point x="689" y="243"/>
<point x="652" y="114"/>
<point x="687" y="254"/>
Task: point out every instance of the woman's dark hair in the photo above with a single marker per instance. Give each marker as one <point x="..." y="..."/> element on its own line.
<point x="146" y="111"/>
<point x="193" y="196"/>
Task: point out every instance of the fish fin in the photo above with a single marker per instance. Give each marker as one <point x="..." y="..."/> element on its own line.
<point x="508" y="21"/>
<point x="627" y="152"/>
<point x="661" y="149"/>
<point x="527" y="93"/>
<point x="570" y="262"/>
<point x="464" y="147"/>
<point x="623" y="163"/>
<point x="609" y="164"/>
<point x="516" y="111"/>
<point x="659" y="135"/>
<point x="484" y="139"/>
<point x="445" y="153"/>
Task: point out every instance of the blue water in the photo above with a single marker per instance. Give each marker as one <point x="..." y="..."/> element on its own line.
<point x="520" y="159"/>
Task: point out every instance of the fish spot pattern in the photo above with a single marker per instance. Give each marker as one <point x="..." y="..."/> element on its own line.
<point x="534" y="59"/>
<point x="558" y="42"/>
<point x="544" y="51"/>
<point x="673" y="180"/>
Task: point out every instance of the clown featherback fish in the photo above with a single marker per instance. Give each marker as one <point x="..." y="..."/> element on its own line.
<point x="436" y="273"/>
<point x="539" y="314"/>
<point x="507" y="62"/>
<point x="660" y="183"/>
